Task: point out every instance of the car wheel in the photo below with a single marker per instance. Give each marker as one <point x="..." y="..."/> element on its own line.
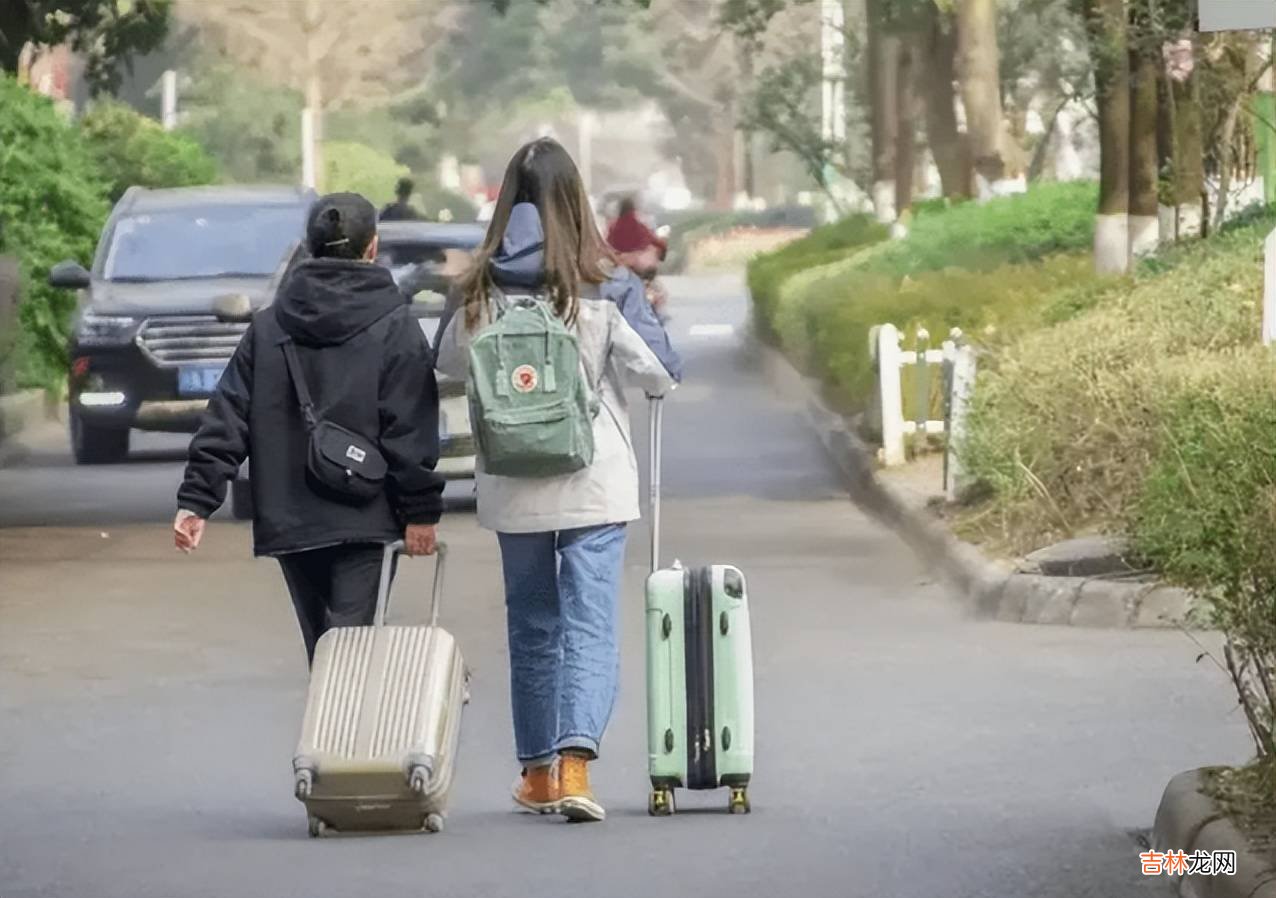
<point x="241" y="499"/>
<point x="95" y="445"/>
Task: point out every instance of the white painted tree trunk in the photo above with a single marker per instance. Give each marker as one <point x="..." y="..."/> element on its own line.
<point x="309" y="160"/>
<point x="1144" y="235"/>
<point x="884" y="201"/>
<point x="1111" y="243"/>
<point x="1180" y="223"/>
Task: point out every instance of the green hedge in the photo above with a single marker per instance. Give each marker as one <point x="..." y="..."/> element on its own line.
<point x="973" y="266"/>
<point x="359" y="168"/>
<point x="53" y="202"/>
<point x="822" y="246"/>
<point x="132" y="149"/>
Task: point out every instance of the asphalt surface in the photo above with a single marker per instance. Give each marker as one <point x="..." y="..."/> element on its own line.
<point x="150" y="703"/>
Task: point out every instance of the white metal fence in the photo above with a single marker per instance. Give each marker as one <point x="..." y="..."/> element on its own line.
<point x="954" y="362"/>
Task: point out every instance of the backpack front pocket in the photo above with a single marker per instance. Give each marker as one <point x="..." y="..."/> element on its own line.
<point x="535" y="441"/>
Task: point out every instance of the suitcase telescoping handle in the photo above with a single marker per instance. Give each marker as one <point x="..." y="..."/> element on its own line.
<point x="653" y="494"/>
<point x="383" y="587"/>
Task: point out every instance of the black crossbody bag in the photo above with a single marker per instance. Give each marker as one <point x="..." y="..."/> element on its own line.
<point x="345" y="465"/>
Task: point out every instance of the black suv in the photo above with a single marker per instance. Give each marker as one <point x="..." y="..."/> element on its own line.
<point x="175" y="279"/>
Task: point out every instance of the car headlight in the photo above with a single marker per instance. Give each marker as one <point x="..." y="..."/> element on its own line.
<point x="105" y="330"/>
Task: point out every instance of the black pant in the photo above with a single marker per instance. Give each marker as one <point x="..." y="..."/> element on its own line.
<point x="333" y="587"/>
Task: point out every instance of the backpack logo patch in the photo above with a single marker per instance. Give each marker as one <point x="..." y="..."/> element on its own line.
<point x="525" y="378"/>
<point x="355" y="454"/>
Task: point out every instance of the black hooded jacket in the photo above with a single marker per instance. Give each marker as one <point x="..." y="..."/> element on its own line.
<point x="369" y="369"/>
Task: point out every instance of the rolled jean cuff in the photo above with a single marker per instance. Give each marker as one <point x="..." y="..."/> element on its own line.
<point x="577" y="743"/>
<point x="538" y="761"/>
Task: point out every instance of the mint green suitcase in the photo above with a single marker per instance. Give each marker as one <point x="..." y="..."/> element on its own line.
<point x="699" y="671"/>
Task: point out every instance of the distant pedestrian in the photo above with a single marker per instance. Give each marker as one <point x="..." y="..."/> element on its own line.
<point x="402" y="209"/>
<point x="562" y="535"/>
<point x="637" y="245"/>
<point x="341" y="333"/>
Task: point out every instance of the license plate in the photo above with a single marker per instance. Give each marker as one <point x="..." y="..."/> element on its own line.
<point x="199" y="381"/>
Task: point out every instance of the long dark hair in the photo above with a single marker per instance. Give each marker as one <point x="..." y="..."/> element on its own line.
<point x="542" y="173"/>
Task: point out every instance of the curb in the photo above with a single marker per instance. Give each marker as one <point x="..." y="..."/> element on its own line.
<point x="992" y="589"/>
<point x="19" y="411"/>
<point x="1188" y="820"/>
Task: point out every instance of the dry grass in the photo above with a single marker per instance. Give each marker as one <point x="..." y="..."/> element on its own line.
<point x="1066" y="421"/>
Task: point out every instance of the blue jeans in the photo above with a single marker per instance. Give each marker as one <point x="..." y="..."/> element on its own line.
<point x="561" y="596"/>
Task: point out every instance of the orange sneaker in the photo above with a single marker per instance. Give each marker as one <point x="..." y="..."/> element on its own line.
<point x="537" y="789"/>
<point x="576" y="800"/>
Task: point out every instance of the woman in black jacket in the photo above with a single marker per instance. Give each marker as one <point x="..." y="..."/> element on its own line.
<point x="369" y="370"/>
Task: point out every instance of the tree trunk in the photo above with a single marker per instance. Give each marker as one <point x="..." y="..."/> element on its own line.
<point x="314" y="85"/>
<point x="1144" y="201"/>
<point x="15" y="29"/>
<point x="936" y="65"/>
<point x="905" y="127"/>
<point x="1105" y="21"/>
<point x="1189" y="158"/>
<point x="1226" y="162"/>
<point x="725" y="167"/>
<point x="977" y="71"/>
<point x="883" y="70"/>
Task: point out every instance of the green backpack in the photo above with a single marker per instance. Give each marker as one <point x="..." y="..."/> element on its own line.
<point x="531" y="407"/>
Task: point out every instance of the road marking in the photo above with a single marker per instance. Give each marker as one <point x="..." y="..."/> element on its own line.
<point x="711" y="330"/>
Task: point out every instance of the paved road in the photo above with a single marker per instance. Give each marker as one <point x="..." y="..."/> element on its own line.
<point x="149" y="704"/>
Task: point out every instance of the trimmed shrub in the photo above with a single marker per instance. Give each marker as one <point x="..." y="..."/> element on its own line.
<point x="824" y="245"/>
<point x="830" y="332"/>
<point x="53" y="201"/>
<point x="1066" y="423"/>
<point x="358" y="168"/>
<point x="967" y="265"/>
<point x="132" y="149"/>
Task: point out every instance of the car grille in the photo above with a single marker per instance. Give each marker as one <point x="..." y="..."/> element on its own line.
<point x="190" y="340"/>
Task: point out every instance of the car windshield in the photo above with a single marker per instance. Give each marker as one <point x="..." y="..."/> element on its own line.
<point x="209" y="242"/>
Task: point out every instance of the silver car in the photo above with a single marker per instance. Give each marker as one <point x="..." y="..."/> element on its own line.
<point x="425" y="258"/>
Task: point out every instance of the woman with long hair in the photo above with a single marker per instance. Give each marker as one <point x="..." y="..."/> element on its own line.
<point x="562" y="538"/>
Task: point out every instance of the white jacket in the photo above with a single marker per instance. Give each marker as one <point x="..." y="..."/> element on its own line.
<point x="614" y="356"/>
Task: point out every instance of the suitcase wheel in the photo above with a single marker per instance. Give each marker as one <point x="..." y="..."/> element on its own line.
<point x="660" y="803"/>
<point x="317" y="827"/>
<point x="739" y="802"/>
<point x="434" y="823"/>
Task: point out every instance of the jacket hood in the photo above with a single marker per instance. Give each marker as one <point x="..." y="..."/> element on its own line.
<point x="521" y="259"/>
<point x="325" y="302"/>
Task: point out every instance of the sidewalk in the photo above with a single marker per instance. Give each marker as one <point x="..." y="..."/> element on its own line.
<point x="21" y="413"/>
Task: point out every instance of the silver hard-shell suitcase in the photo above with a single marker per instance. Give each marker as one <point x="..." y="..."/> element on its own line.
<point x="383" y="718"/>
